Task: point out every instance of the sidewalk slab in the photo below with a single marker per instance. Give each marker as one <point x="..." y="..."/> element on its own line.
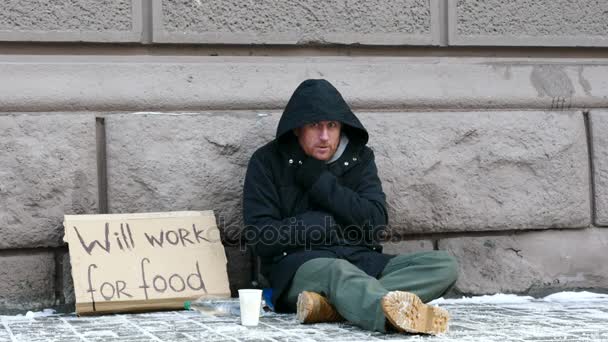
<point x="534" y="320"/>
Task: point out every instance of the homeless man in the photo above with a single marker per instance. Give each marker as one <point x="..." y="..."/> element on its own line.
<point x="313" y="208"/>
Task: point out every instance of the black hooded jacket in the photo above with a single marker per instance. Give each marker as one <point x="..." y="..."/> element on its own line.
<point x="341" y="215"/>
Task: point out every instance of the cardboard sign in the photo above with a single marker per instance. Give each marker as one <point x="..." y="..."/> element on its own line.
<point x="141" y="262"/>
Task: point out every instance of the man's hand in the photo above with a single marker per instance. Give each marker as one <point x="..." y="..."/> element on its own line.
<point x="309" y="172"/>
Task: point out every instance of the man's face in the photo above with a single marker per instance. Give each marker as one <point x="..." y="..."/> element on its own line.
<point x="319" y="139"/>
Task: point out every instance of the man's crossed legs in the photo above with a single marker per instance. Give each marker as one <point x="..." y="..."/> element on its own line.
<point x="398" y="295"/>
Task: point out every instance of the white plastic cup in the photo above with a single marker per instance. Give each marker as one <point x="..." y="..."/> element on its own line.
<point x="251" y="303"/>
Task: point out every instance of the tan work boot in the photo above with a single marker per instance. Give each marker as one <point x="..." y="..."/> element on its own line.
<point x="407" y="313"/>
<point x="314" y="308"/>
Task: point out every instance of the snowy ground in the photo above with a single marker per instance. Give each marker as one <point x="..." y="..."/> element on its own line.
<point x="560" y="317"/>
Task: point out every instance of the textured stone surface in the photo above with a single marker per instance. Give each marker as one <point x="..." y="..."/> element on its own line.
<point x="87" y="15"/>
<point x="378" y="22"/>
<point x="159" y="162"/>
<point x="441" y="171"/>
<point x="208" y="83"/>
<point x="522" y="22"/>
<point x="534" y="263"/>
<point x="599" y="126"/>
<point x="48" y="170"/>
<point x="407" y="247"/>
<point x="481" y="171"/>
<point x="77" y="20"/>
<point x="27" y="280"/>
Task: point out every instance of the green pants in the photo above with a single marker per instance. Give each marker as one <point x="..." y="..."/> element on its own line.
<point x="356" y="295"/>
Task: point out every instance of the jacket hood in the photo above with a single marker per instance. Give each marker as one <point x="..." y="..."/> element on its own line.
<point x="319" y="100"/>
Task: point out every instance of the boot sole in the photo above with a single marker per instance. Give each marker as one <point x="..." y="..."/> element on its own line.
<point x="407" y="313"/>
<point x="304" y="307"/>
<point x="312" y="308"/>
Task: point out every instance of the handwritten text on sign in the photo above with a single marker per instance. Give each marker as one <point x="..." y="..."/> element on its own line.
<point x="119" y="261"/>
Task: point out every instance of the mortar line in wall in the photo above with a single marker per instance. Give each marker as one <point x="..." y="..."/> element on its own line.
<point x="29" y="251"/>
<point x="444" y="23"/>
<point x="147" y="25"/>
<point x="59" y="298"/>
<point x="589" y="136"/>
<point x="102" y="182"/>
<point x="274" y="50"/>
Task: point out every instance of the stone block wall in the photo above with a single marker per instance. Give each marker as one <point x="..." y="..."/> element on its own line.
<point x="516" y="193"/>
<point x="501" y="161"/>
<point x="27" y="280"/>
<point x="534" y="263"/>
<point x="374" y="22"/>
<point x="524" y="22"/>
<point x="72" y="20"/>
<point x="49" y="167"/>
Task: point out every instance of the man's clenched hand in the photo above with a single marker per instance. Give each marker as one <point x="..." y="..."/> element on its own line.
<point x="309" y="172"/>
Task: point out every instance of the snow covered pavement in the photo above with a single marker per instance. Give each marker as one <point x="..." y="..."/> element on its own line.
<point x="560" y="317"/>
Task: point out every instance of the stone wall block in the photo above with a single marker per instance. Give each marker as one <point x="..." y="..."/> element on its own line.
<point x="531" y="23"/>
<point x="76" y="20"/>
<point x="598" y="120"/>
<point x="533" y="263"/>
<point x="164" y="162"/>
<point x="480" y="171"/>
<point x="27" y="281"/>
<point x="373" y="22"/>
<point x="49" y="169"/>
